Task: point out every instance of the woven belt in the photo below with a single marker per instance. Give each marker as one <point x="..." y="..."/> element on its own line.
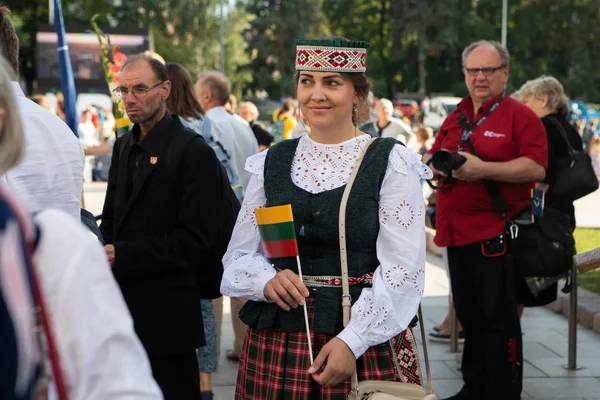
<point x="336" y="281"/>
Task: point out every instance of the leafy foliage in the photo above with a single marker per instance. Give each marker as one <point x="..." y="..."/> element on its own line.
<point x="271" y="36"/>
<point x="416" y="45"/>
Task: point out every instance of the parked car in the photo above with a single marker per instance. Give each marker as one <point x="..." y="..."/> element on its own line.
<point x="408" y="107"/>
<point x="439" y="108"/>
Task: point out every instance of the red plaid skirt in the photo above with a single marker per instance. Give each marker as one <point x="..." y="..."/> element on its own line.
<point x="274" y="365"/>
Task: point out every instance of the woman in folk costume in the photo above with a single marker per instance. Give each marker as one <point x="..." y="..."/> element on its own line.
<point x="385" y="241"/>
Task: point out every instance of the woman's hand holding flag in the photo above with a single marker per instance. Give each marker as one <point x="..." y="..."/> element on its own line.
<point x="286" y="290"/>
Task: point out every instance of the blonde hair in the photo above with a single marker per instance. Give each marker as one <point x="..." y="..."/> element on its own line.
<point x="11" y="133"/>
<point x="424" y="133"/>
<point x="547" y="86"/>
<point x="250" y="106"/>
<point x="385" y="104"/>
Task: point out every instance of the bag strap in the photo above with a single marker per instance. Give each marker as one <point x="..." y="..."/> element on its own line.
<point x="44" y="322"/>
<point x="563" y="133"/>
<point x="346" y="298"/>
<point x="492" y="188"/>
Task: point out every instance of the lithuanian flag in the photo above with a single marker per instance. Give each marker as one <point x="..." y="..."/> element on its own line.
<point x="276" y="227"/>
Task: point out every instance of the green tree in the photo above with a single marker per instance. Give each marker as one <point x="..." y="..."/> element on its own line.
<point x="187" y="32"/>
<point x="427" y="30"/>
<point x="370" y="21"/>
<point x="270" y="38"/>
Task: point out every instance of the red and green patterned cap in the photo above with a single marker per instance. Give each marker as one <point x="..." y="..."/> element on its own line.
<point x="331" y="55"/>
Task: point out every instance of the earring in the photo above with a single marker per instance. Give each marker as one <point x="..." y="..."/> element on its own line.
<point x="355" y="114"/>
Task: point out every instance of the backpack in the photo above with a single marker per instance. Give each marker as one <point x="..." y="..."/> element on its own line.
<point x="278" y="128"/>
<point x="211" y="289"/>
<point x="203" y="128"/>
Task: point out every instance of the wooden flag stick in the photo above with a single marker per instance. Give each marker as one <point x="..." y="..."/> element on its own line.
<point x="305" y="315"/>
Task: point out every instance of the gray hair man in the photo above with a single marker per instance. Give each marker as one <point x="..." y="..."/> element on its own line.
<point x="501" y="140"/>
<point x="237" y="139"/>
<point x="234" y="134"/>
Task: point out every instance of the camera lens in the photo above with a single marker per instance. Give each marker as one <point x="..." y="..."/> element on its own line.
<point x="442" y="161"/>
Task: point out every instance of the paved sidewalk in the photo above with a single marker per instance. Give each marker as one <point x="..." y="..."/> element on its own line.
<point x="545" y="351"/>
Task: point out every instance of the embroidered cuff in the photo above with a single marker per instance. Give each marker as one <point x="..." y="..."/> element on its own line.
<point x="354" y="341"/>
<point x="263" y="280"/>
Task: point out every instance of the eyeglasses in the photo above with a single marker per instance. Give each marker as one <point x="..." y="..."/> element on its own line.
<point x="486" y="71"/>
<point x="122" y="91"/>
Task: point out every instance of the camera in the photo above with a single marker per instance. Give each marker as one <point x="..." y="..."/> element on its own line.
<point x="446" y="161"/>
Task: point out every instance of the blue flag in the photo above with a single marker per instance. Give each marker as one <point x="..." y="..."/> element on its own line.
<point x="67" y="83"/>
<point x="537" y="202"/>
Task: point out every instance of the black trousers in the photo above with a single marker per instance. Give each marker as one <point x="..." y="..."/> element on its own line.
<point x="177" y="375"/>
<point x="492" y="365"/>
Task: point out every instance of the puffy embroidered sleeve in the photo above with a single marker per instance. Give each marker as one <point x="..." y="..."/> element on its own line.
<point x="385" y="309"/>
<point x="247" y="270"/>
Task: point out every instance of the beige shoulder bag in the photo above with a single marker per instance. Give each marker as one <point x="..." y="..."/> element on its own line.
<point x="376" y="390"/>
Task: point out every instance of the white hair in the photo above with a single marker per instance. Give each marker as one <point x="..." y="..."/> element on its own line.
<point x="11" y="133"/>
<point x="503" y="51"/>
<point x="386" y="105"/>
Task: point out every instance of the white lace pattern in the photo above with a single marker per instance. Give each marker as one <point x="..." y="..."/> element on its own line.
<point x="386" y="308"/>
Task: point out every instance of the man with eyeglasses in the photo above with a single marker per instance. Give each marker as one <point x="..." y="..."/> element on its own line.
<point x="502" y="141"/>
<point x="166" y="201"/>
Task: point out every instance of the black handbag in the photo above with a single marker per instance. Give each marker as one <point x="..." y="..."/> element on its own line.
<point x="543" y="248"/>
<point x="540" y="246"/>
<point x="575" y="175"/>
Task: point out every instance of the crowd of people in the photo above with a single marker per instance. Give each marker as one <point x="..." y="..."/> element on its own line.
<point x="136" y="312"/>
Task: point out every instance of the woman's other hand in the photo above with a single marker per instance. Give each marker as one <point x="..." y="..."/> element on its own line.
<point x="286" y="290"/>
<point x="334" y="363"/>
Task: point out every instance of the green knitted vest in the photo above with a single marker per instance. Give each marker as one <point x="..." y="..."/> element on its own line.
<point x="316" y="222"/>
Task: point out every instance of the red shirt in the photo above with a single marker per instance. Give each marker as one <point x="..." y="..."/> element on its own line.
<point x="465" y="213"/>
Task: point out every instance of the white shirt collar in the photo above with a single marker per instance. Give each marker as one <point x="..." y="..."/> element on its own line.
<point x="216" y="111"/>
<point x="17" y="89"/>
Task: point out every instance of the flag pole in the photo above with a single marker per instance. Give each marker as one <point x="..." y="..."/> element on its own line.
<point x="305" y="314"/>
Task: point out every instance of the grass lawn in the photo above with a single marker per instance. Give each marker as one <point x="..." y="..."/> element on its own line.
<point x="588" y="239"/>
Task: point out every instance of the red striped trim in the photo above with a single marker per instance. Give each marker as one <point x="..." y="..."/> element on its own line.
<point x="336" y="281"/>
<point x="281" y="248"/>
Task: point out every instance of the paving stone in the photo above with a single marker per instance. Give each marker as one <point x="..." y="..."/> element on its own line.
<point x="530" y="371"/>
<point x="224" y="392"/>
<point x="443" y="370"/>
<point x="446" y="387"/>
<point x="584" y="349"/>
<point x="596" y="325"/>
<point x="534" y="350"/>
<point x="562" y="388"/>
<point x="555" y="367"/>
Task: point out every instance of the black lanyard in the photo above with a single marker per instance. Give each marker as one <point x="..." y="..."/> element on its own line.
<point x="467" y="129"/>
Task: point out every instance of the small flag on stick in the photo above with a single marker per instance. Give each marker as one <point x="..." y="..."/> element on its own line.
<point x="276" y="227"/>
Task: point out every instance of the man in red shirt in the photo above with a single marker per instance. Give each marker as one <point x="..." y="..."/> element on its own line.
<point x="511" y="149"/>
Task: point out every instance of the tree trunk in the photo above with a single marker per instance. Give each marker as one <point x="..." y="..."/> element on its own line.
<point x="384" y="59"/>
<point x="422" y="71"/>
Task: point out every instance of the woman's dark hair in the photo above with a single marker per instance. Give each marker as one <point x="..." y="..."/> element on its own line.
<point x="182" y="101"/>
<point x="288" y="105"/>
<point x="362" y="84"/>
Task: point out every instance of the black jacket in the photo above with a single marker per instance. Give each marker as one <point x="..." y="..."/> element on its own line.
<point x="557" y="149"/>
<point x="165" y="230"/>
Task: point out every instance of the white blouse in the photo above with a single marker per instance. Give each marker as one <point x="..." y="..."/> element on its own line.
<point x="383" y="310"/>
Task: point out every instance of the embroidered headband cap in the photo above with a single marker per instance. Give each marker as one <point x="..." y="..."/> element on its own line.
<point x="331" y="55"/>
